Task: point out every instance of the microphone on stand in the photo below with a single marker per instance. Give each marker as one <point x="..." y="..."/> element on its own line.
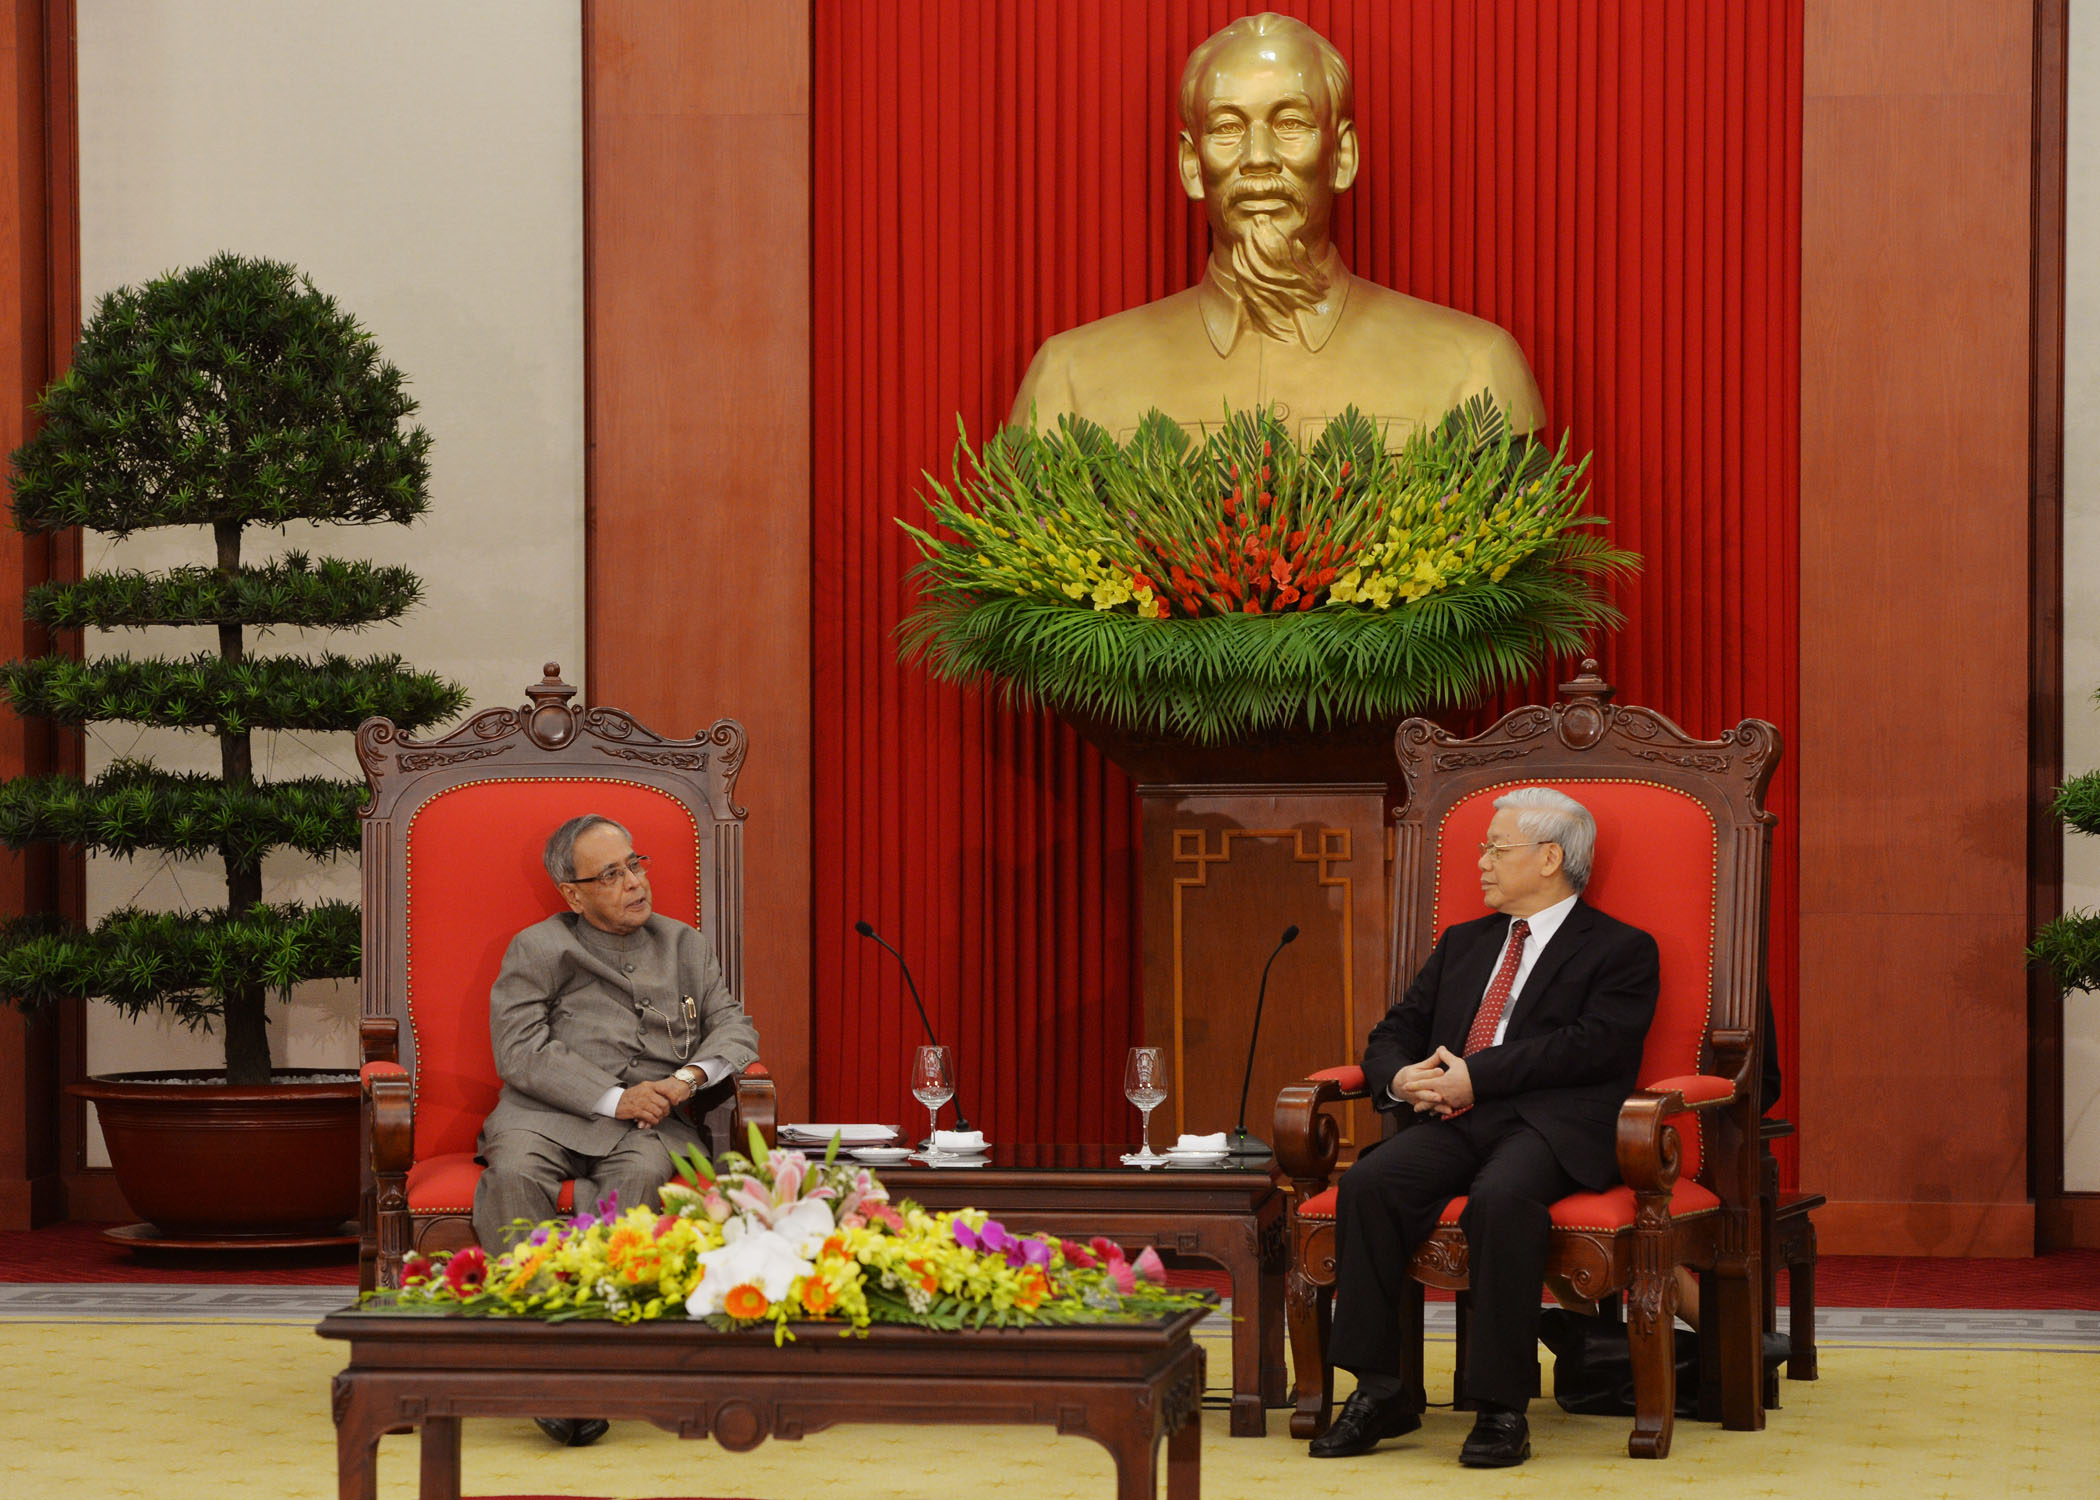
<point x="1241" y="1143"/>
<point x="866" y="931"/>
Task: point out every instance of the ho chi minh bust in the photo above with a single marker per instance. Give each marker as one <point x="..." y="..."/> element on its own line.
<point x="1277" y="320"/>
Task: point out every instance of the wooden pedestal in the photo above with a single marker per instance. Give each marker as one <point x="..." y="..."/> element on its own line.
<point x="1225" y="869"/>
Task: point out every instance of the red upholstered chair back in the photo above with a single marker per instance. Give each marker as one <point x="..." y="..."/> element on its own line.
<point x="1655" y="867"/>
<point x="1683" y="852"/>
<point x="475" y="879"/>
<point x="452" y="868"/>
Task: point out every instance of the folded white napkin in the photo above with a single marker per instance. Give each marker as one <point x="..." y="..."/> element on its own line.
<point x="963" y="1140"/>
<point x="1213" y="1142"/>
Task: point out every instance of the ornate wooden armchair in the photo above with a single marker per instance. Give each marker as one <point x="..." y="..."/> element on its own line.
<point x="452" y="871"/>
<point x="1683" y="850"/>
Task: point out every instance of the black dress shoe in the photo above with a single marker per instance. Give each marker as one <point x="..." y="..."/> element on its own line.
<point x="1364" y="1422"/>
<point x="1499" y="1440"/>
<point x="573" y="1432"/>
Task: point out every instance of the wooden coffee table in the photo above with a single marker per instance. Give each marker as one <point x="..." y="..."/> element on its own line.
<point x="1231" y="1215"/>
<point x="1126" y="1387"/>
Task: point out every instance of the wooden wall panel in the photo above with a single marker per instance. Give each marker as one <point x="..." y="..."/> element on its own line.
<point x="696" y="225"/>
<point x="39" y="299"/>
<point x="1913" y="755"/>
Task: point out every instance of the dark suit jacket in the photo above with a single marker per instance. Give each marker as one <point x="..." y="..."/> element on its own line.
<point x="1572" y="1051"/>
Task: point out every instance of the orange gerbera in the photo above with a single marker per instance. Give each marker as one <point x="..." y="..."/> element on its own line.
<point x="745" y="1301"/>
<point x="817" y="1297"/>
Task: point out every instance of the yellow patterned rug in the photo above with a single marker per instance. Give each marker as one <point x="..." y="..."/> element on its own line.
<point x="166" y="1411"/>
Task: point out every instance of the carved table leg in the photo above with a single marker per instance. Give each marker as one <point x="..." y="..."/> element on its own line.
<point x="440" y="1476"/>
<point x="1275" y="1390"/>
<point x="1249" y="1417"/>
<point x="1185" y="1462"/>
<point x="357" y="1432"/>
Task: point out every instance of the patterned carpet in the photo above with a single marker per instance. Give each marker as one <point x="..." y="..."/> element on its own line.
<point x="215" y="1408"/>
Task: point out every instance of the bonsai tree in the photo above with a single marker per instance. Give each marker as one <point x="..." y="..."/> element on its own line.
<point x="229" y="396"/>
<point x="2069" y="947"/>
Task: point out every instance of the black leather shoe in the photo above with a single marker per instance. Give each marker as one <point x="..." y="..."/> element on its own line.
<point x="573" y="1432"/>
<point x="1364" y="1422"/>
<point x="1499" y="1440"/>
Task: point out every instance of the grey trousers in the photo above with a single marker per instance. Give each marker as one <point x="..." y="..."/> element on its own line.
<point x="526" y="1171"/>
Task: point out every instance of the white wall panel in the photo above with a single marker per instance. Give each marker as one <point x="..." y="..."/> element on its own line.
<point x="421" y="160"/>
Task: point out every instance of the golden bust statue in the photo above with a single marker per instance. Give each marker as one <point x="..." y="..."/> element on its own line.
<point x="1277" y="320"/>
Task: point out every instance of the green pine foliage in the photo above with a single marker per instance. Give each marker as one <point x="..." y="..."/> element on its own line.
<point x="229" y="396"/>
<point x="2069" y="947"/>
<point x="289" y="591"/>
<point x="133" y="807"/>
<point x="188" y="964"/>
<point x="233" y="391"/>
<point x="208" y="692"/>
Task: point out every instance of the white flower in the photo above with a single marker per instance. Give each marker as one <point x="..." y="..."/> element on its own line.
<point x="761" y="1257"/>
<point x="806" y="1225"/>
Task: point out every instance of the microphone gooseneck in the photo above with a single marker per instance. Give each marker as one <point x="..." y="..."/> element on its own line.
<point x="865" y="930"/>
<point x="1242" y="1143"/>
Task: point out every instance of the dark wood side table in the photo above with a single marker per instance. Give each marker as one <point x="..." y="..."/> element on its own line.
<point x="1125" y="1387"/>
<point x="1232" y="1215"/>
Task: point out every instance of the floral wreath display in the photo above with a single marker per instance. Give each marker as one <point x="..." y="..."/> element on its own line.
<point x="777" y="1238"/>
<point x="1242" y="583"/>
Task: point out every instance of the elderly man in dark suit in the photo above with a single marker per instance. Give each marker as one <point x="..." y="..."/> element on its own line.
<point x="606" y="1019"/>
<point x="1511" y="1052"/>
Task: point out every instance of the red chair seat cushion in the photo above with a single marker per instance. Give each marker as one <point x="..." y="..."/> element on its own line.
<point x="1609" y="1211"/>
<point x="445" y="1185"/>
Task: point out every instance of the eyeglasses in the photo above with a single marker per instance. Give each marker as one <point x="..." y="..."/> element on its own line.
<point x="1494" y="850"/>
<point x="609" y="877"/>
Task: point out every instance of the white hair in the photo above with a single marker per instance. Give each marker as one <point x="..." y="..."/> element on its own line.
<point x="1551" y="817"/>
<point x="560" y="854"/>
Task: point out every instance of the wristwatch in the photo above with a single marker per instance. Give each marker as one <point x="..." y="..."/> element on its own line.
<point x="692" y="1078"/>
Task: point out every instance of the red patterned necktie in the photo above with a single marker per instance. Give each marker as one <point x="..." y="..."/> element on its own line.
<point x="1496" y="1000"/>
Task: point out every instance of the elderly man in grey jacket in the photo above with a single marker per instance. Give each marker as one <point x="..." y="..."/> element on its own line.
<point x="606" y="1019"/>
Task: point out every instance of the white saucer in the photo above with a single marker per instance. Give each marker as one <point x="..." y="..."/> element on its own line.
<point x="954" y="1159"/>
<point x="882" y="1156"/>
<point x="1196" y="1156"/>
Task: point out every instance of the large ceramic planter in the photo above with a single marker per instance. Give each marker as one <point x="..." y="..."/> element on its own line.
<point x="211" y="1164"/>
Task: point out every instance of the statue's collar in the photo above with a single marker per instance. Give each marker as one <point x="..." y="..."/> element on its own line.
<point x="1217" y="294"/>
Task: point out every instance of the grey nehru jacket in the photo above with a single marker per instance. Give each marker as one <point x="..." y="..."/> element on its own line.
<point x="576" y="1011"/>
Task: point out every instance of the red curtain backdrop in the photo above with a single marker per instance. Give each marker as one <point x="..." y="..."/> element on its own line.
<point x="1616" y="181"/>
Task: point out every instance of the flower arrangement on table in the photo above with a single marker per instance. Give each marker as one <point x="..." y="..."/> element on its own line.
<point x="1243" y="583"/>
<point x="775" y="1237"/>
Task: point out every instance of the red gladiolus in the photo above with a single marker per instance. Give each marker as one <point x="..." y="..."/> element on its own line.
<point x="1267" y="499"/>
<point x="1286" y="594"/>
<point x="1280" y="570"/>
<point x="1252" y="607"/>
<point x="1139" y="580"/>
<point x="1232" y="505"/>
<point x="1297" y="539"/>
<point x="1218" y="600"/>
<point x="1265" y="451"/>
<point x="1307" y="602"/>
<point x="1345" y="469"/>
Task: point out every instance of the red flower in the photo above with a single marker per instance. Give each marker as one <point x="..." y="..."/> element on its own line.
<point x="467" y="1269"/>
<point x="1280" y="570"/>
<point x="1297" y="540"/>
<point x="1251" y="607"/>
<point x="414" y="1269"/>
<point x="1077" y="1254"/>
<point x="1286" y="595"/>
<point x="1307" y="602"/>
<point x="1232" y="505"/>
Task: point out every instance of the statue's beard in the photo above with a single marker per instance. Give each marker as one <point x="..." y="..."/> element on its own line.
<point x="1279" y="274"/>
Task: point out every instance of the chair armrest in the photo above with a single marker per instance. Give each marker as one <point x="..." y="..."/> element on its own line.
<point x="1307" y="1139"/>
<point x="757" y="1103"/>
<point x="389" y="1101"/>
<point x="1650" y="1152"/>
<point x="379" y="1039"/>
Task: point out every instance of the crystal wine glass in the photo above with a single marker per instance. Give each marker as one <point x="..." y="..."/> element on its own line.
<point x="932" y="1083"/>
<point x="1145" y="1085"/>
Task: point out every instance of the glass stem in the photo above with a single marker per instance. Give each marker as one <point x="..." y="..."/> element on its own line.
<point x="1145" y="1131"/>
